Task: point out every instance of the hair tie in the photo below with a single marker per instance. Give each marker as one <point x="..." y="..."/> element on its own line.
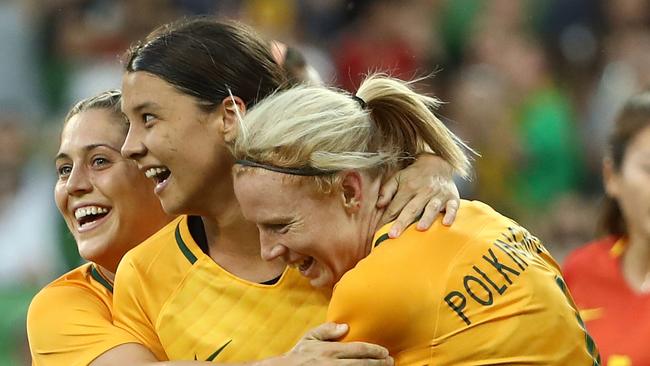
<point x="361" y="102"/>
<point x="305" y="171"/>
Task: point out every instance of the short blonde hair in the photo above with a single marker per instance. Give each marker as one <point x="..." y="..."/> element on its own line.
<point x="323" y="129"/>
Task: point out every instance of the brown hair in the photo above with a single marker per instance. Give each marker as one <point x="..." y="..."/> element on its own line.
<point x="633" y="118"/>
<point x="208" y="59"/>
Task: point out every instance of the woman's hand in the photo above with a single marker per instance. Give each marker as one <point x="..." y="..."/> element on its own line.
<point x="425" y="188"/>
<point x="319" y="347"/>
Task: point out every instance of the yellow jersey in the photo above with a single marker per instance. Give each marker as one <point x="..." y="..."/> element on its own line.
<point x="182" y="305"/>
<point x="480" y="292"/>
<point x="70" y="323"/>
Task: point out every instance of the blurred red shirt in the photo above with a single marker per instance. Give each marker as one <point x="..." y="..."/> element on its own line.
<point x="616" y="316"/>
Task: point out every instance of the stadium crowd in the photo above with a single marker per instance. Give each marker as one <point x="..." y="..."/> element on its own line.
<point x="533" y="85"/>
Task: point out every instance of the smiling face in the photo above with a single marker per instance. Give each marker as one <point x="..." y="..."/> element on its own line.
<point x="107" y="204"/>
<point x="630" y="185"/>
<point x="176" y="144"/>
<point x="318" y="233"/>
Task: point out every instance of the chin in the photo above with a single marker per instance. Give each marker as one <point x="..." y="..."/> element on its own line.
<point x="91" y="251"/>
<point x="172" y="208"/>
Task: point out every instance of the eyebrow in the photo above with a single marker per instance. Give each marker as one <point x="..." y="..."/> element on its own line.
<point x="145" y="105"/>
<point x="86" y="148"/>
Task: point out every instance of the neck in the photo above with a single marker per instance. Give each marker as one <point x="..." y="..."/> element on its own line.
<point x="373" y="221"/>
<point x="374" y="224"/>
<point x="234" y="245"/>
<point x="636" y="262"/>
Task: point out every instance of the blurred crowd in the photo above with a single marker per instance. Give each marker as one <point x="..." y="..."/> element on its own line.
<point x="532" y="85"/>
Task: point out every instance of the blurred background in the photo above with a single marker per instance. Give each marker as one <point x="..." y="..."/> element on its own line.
<point x="533" y="85"/>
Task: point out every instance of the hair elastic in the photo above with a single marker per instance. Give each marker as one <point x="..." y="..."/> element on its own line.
<point x="306" y="171"/>
<point x="361" y="102"/>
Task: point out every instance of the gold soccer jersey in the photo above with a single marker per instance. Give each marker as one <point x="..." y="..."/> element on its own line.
<point x="481" y="292"/>
<point x="183" y="306"/>
<point x="69" y="322"/>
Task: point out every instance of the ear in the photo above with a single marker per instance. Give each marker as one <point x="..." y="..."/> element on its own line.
<point x="351" y="191"/>
<point x="234" y="109"/>
<point x="610" y="178"/>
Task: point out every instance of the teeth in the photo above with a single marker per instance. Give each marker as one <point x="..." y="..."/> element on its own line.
<point x="89" y="210"/>
<point x="152" y="172"/>
<point x="301" y="265"/>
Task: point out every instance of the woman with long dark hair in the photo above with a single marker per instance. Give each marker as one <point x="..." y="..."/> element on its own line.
<point x="610" y="277"/>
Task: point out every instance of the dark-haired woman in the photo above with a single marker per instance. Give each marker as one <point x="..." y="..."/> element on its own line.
<point x="610" y="277"/>
<point x="198" y="289"/>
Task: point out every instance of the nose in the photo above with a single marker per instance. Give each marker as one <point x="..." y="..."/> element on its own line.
<point x="78" y="182"/>
<point x="270" y="249"/>
<point x="273" y="252"/>
<point x="133" y="148"/>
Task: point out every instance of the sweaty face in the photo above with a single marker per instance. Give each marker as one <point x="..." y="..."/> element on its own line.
<point x="307" y="229"/>
<point x="106" y="202"/>
<point x="630" y="186"/>
<point x="175" y="144"/>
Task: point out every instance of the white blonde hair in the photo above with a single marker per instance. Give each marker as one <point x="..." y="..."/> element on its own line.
<point x="321" y="128"/>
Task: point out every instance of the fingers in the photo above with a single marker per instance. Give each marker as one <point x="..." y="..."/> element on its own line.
<point x="388" y="190"/>
<point x="412" y="210"/>
<point x="326" y="332"/>
<point x="388" y="361"/>
<point x="318" y="348"/>
<point x="431" y="211"/>
<point x="451" y="209"/>
<point x="358" y="350"/>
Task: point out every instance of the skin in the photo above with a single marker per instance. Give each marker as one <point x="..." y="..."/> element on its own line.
<point x="92" y="172"/>
<point x="185" y="139"/>
<point x="289" y="213"/>
<point x="630" y="186"/>
<point x="158" y="138"/>
<point x="168" y="130"/>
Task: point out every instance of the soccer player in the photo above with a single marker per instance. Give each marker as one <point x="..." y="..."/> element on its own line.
<point x="198" y="289"/>
<point x="109" y="208"/>
<point x="483" y="291"/>
<point x="610" y="277"/>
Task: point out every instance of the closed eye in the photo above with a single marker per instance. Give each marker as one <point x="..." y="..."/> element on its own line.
<point x="276" y="228"/>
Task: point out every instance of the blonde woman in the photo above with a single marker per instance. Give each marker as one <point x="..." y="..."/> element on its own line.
<point x="484" y="291"/>
<point x="109" y="208"/>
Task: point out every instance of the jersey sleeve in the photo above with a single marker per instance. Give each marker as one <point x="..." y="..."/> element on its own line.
<point x="68" y="325"/>
<point x="130" y="308"/>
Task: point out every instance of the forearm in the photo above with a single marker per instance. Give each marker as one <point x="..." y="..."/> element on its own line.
<point x="275" y="361"/>
<point x="134" y="354"/>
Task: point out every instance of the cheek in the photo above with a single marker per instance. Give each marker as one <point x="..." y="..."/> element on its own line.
<point x="61" y="197"/>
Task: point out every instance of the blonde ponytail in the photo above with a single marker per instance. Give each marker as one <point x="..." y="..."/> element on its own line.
<point x="320" y="130"/>
<point x="407" y="123"/>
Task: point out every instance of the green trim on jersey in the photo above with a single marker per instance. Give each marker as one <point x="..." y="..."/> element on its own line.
<point x="183" y="247"/>
<point x="99" y="278"/>
<point x="381" y="239"/>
